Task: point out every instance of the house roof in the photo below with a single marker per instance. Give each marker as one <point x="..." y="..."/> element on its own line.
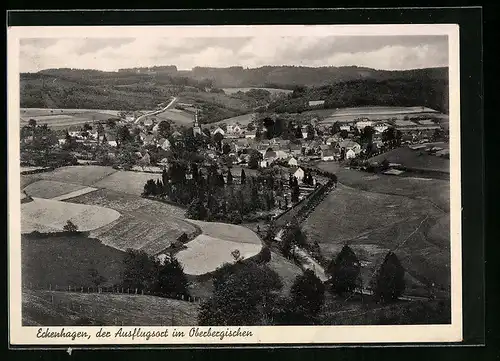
<point x="329" y="152"/>
<point x="293" y="170"/>
<point x="348" y="144"/>
<point x="270" y="154"/>
<point x="176" y="134"/>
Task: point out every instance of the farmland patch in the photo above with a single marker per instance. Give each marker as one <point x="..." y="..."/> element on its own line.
<point x="414" y="159"/>
<point x="126" y="181"/>
<point x="49" y="189"/>
<point x="84" y="175"/>
<point x="227" y="232"/>
<point x="205" y="253"/>
<point x="105" y="309"/>
<point x="45" y="215"/>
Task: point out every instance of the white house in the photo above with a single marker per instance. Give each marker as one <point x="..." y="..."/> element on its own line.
<point x="380" y="127"/>
<point x="250" y="134"/>
<point x="233" y="129"/>
<point x="148" y="122"/>
<point x="292" y="162"/>
<point x="350" y="145"/>
<point x="304" y="132"/>
<point x="164" y="144"/>
<point x="316" y="103"/>
<point x="364" y="123"/>
<point x="350" y="154"/>
<point x="345" y="127"/>
<point x="298" y="173"/>
<point x="218" y="130"/>
<point x="281" y="154"/>
<point x="263" y="163"/>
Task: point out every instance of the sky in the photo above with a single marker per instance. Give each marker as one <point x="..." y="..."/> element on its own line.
<point x="395" y="52"/>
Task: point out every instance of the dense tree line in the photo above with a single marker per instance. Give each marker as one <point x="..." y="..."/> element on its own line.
<point x="428" y="92"/>
<point x="211" y="194"/>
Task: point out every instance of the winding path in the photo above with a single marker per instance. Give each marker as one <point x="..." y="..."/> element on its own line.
<point x="172" y="102"/>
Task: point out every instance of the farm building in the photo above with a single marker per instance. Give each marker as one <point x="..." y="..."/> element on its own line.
<point x="292" y="162"/>
<point x="316" y="103"/>
<point x="345" y="127"/>
<point x="234" y="129"/>
<point x="263" y="164"/>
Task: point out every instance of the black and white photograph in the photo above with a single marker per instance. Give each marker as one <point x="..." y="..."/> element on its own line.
<point x="214" y="181"/>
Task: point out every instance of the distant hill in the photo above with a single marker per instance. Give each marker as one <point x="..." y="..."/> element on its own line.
<point x="145" y="88"/>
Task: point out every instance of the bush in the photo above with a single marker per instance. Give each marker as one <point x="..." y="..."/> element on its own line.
<point x="70" y="227"/>
<point x="345" y="271"/>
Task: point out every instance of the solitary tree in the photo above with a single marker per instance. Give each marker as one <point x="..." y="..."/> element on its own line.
<point x="243" y="177"/>
<point x="70" y="227"/>
<point x="346" y="271"/>
<point x="308" y="295"/>
<point x="230" y="177"/>
<point x="171" y="278"/>
<point x="389" y="281"/>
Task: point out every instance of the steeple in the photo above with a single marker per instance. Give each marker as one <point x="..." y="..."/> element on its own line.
<point x="196" y="126"/>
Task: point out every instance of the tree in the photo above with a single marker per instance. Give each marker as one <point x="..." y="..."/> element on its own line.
<point x="310" y="132"/>
<point x="149" y="188"/>
<point x="226" y="148"/>
<point x="335" y="128"/>
<point x="292" y="236"/>
<point x="308" y="295"/>
<point x="255" y="158"/>
<point x="298" y="132"/>
<point x="295" y="192"/>
<point x="389" y="281"/>
<point x="367" y="135"/>
<point x="230" y="177"/>
<point x="111" y="122"/>
<point x="346" y="271"/>
<point x="164" y="129"/>
<point x="32" y="123"/>
<point x="100" y="131"/>
<point x="171" y="278"/>
<point x="242" y="295"/>
<point x="243" y="177"/>
<point x="258" y="133"/>
<point x="70" y="227"/>
<point x="140" y="270"/>
<point x="197" y="210"/>
<point x="87" y="127"/>
<point x="96" y="277"/>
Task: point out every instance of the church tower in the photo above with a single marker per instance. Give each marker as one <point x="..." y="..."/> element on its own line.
<point x="196" y="126"/>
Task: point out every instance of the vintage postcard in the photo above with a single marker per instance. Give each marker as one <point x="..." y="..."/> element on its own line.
<point x="234" y="185"/>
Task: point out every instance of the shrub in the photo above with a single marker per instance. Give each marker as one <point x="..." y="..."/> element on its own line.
<point x="345" y="271"/>
<point x="70" y="227"/>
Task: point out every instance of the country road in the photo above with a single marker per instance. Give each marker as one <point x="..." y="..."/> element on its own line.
<point x="156" y="111"/>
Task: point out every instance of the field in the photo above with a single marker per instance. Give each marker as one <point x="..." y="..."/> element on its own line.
<point x="59" y="261"/>
<point x="145" y="224"/>
<point x="46" y="215"/>
<point x="374" y="223"/>
<point x="105" y="309"/>
<point x="244" y="90"/>
<point x="177" y="116"/>
<point x="227" y="232"/>
<point x="436" y="191"/>
<point x="84" y="175"/>
<point x="205" y="253"/>
<point x="243" y="120"/>
<point x="64" y="118"/>
<point x="286" y="269"/>
<point x="49" y="189"/>
<point x="414" y="159"/>
<point x="126" y="182"/>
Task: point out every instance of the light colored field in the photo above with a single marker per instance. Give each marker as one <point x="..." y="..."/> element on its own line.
<point x="177" y="116"/>
<point x="104" y="309"/>
<point x="244" y="90"/>
<point x="126" y="181"/>
<point x="404" y="123"/>
<point x="30" y="169"/>
<point x="205" y="253"/>
<point x="365" y="111"/>
<point x="227" y="232"/>
<point x="50" y="189"/>
<point x="83" y="175"/>
<point x="48" y="215"/>
<point x="64" y="118"/>
<point x="240" y="119"/>
<point x="33" y="112"/>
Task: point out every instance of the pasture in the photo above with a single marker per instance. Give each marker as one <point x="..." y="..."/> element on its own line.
<point x="177" y="116"/>
<point x="373" y="223"/>
<point x="414" y="159"/>
<point x="45" y="215"/>
<point x="205" y="253"/>
<point x="45" y="308"/>
<point x="242" y="120"/>
<point x="64" y="118"/>
<point x="86" y="175"/>
<point x="126" y="181"/>
<point x="49" y="189"/>
<point x="227" y="232"/>
<point x="436" y="191"/>
<point x="286" y="269"/>
<point x="62" y="261"/>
